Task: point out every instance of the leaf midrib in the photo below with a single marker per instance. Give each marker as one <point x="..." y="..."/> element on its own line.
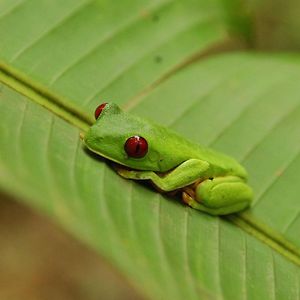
<point x="62" y="108"/>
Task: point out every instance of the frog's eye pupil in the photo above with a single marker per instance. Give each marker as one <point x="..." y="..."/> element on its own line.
<point x="99" y="110"/>
<point x="136" y="146"/>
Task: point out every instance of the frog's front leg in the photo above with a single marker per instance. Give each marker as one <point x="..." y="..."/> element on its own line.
<point x="220" y="196"/>
<point x="185" y="174"/>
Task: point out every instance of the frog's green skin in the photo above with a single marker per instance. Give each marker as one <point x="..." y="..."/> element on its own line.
<point x="209" y="181"/>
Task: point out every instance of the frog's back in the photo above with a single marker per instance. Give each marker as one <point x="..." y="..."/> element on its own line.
<point x="220" y="164"/>
<point x="168" y="149"/>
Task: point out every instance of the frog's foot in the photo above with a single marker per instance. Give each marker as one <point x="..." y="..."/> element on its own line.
<point x="220" y="196"/>
<point x="134" y="174"/>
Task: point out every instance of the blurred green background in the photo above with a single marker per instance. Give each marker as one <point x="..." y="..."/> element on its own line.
<point x="38" y="260"/>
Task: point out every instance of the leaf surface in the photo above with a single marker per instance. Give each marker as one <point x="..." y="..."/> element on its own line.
<point x="244" y="104"/>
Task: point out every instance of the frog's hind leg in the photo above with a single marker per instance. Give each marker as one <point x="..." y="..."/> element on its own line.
<point x="220" y="196"/>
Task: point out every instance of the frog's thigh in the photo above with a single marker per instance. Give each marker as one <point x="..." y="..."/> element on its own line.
<point x="224" y="195"/>
<point x="183" y="175"/>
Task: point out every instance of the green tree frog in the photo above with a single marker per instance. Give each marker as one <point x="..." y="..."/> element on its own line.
<point x="143" y="150"/>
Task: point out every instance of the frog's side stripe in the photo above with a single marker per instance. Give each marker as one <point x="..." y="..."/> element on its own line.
<point x="62" y="108"/>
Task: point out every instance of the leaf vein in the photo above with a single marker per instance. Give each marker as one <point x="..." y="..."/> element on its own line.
<point x="275" y="178"/>
<point x="271" y="130"/>
<point x="121" y="71"/>
<point x="204" y="97"/>
<point x="11" y="9"/>
<point x="123" y="28"/>
<point x="292" y="221"/>
<point x="187" y="261"/>
<point x="49" y="31"/>
<point x="248" y="107"/>
<point x="161" y="248"/>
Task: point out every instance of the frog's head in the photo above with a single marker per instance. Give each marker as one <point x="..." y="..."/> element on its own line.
<point x="129" y="140"/>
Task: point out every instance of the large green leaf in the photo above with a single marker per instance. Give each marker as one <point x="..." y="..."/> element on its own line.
<point x="246" y="105"/>
<point x="97" y="47"/>
<point x="171" y="250"/>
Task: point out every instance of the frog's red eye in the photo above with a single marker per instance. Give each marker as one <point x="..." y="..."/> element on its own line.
<point x="136" y="146"/>
<point x="99" y="110"/>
